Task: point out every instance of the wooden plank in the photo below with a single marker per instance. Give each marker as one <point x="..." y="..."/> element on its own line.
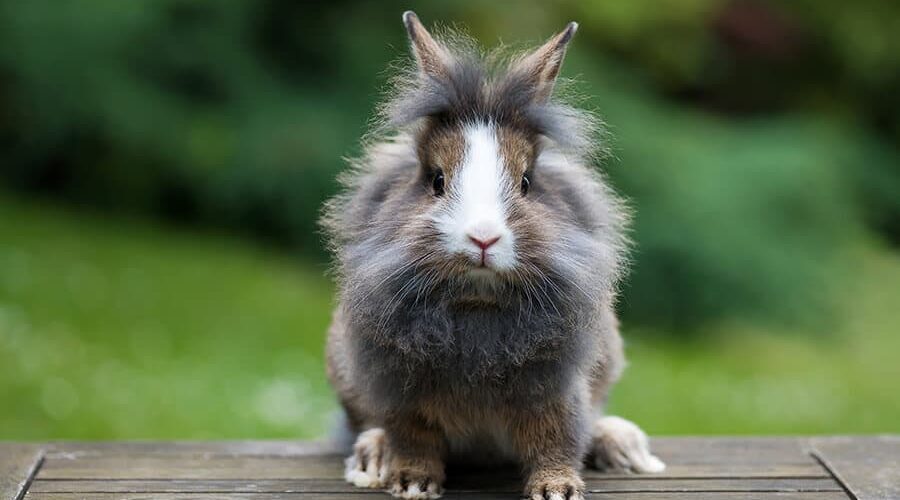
<point x="688" y="471"/>
<point x="512" y="485"/>
<point x="731" y="450"/>
<point x="18" y="463"/>
<point x="685" y="450"/>
<point x="193" y="466"/>
<point x="687" y="458"/>
<point x="448" y="496"/>
<point x="869" y="467"/>
<point x="258" y="448"/>
<point x="723" y="496"/>
<point x="699" y="468"/>
<point x="370" y="495"/>
<point x="712" y="485"/>
<point x="218" y="496"/>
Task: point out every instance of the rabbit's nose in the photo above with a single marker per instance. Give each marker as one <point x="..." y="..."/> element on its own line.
<point x="484" y="243"/>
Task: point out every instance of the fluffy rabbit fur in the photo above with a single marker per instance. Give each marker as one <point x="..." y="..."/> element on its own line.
<point x="478" y="255"/>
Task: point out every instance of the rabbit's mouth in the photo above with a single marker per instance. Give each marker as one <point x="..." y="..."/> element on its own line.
<point x="483" y="264"/>
<point x="485" y="260"/>
<point x="488" y="259"/>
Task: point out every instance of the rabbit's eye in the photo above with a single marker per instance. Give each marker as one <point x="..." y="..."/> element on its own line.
<point x="525" y="185"/>
<point x="438" y="183"/>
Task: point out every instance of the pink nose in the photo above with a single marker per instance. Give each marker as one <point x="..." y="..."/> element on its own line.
<point x="484" y="244"/>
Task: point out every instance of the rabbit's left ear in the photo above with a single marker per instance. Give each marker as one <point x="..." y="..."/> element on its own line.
<point x="431" y="57"/>
<point x="541" y="67"/>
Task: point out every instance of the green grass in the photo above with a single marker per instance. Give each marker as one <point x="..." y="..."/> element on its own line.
<point x="114" y="328"/>
<point x="117" y="329"/>
<point x="741" y="379"/>
<point x="744" y="379"/>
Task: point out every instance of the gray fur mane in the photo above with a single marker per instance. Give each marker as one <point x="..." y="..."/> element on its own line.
<point x="487" y="88"/>
<point x="401" y="301"/>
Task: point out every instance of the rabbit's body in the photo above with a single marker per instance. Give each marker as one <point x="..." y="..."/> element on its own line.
<point x="478" y="256"/>
<point x="474" y="388"/>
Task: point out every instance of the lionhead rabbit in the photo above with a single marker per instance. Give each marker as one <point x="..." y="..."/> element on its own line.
<point x="478" y="254"/>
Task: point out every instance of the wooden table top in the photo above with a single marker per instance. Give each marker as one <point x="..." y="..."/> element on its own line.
<point x="699" y="468"/>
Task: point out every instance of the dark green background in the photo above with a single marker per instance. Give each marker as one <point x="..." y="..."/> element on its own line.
<point x="162" y="165"/>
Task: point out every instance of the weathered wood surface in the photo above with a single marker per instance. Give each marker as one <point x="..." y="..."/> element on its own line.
<point x="698" y="468"/>
<point x="18" y="464"/>
<point x="869" y="467"/>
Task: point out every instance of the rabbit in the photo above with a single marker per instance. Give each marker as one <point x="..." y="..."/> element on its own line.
<point x="477" y="254"/>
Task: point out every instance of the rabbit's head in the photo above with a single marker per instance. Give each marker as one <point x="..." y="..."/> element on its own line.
<point x="482" y="192"/>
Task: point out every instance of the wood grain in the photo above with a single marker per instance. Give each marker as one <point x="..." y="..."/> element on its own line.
<point x="698" y="468"/>
<point x="233" y="448"/>
<point x="448" y="496"/>
<point x="133" y="466"/>
<point x="501" y="485"/>
<point x="867" y="466"/>
<point x="18" y="463"/>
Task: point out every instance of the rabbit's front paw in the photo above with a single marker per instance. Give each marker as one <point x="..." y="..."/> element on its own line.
<point x="366" y="467"/>
<point x="620" y="445"/>
<point x="419" y="479"/>
<point x="555" y="484"/>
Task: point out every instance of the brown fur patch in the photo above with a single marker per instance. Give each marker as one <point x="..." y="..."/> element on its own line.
<point x="518" y="150"/>
<point x="442" y="147"/>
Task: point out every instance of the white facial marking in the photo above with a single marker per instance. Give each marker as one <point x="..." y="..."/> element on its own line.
<point x="476" y="223"/>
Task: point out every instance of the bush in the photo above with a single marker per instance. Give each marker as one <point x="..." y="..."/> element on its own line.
<point x="237" y="113"/>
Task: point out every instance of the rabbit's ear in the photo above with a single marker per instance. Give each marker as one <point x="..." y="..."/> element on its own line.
<point x="431" y="56"/>
<point x="541" y="67"/>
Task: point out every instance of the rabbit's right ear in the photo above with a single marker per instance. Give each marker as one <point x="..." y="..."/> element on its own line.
<point x="541" y="67"/>
<point x="431" y="57"/>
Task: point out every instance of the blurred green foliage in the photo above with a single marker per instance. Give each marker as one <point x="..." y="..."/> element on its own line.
<point x="114" y="329"/>
<point x="111" y="328"/>
<point x="755" y="139"/>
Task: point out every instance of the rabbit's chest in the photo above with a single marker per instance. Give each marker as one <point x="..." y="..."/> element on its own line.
<point x="478" y="358"/>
